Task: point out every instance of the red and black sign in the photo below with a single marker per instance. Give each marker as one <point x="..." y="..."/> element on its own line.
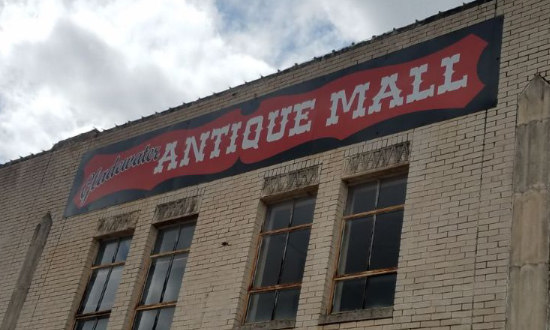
<point x="447" y="77"/>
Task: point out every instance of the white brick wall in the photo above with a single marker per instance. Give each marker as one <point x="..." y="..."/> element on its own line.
<point x="453" y="265"/>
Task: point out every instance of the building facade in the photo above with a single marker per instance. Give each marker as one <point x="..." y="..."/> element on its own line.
<point x="265" y="214"/>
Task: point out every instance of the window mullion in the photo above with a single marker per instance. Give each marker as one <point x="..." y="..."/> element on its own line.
<point x="291" y="218"/>
<point x="374" y="211"/>
<point x="373" y="224"/>
<point x="281" y="269"/>
<point x="375" y="272"/>
<point x="275" y="304"/>
<point x="286" y="230"/>
<point x="377" y="194"/>
<point x="155" y="306"/>
<point x="165" y="284"/>
<point x="168" y="253"/>
<point x="120" y="263"/>
<point x="372" y="237"/>
<point x="177" y="239"/>
<point x="116" y="251"/>
<point x="156" y="319"/>
<point x="107" y="278"/>
<point x="95" y="324"/>
<point x="276" y="287"/>
<point x="283" y="258"/>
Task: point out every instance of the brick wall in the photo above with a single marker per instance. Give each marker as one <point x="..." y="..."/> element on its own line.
<point x="453" y="264"/>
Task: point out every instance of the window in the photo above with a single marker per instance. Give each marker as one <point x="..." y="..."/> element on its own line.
<point x="95" y="308"/>
<point x="280" y="266"/>
<point x="162" y="287"/>
<point x="367" y="267"/>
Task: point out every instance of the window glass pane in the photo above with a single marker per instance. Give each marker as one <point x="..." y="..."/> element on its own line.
<point x="349" y="295"/>
<point x="380" y="290"/>
<point x="260" y="306"/>
<point x="145" y="320"/>
<point x="106" y="252"/>
<point x="85" y="324"/>
<point x="176" y="275"/>
<point x="295" y="257"/>
<point x="356" y="245"/>
<point x="102" y="324"/>
<point x="93" y="292"/>
<point x="287" y="304"/>
<point x="165" y="318"/>
<point x="278" y="216"/>
<point x="110" y="291"/>
<point x="362" y="199"/>
<point x="269" y="261"/>
<point x="155" y="280"/>
<point x="303" y="211"/>
<point x="166" y="239"/>
<point x="387" y="235"/>
<point x="186" y="235"/>
<point x="123" y="248"/>
<point x="392" y="192"/>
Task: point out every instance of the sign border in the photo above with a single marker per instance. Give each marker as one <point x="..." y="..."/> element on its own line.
<point x="490" y="31"/>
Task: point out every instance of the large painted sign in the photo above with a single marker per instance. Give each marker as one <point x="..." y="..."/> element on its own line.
<point x="449" y="76"/>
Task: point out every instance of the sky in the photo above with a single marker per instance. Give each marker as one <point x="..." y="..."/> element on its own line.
<point x="69" y="66"/>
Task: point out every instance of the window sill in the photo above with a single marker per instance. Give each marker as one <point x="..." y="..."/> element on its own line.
<point x="358" y="315"/>
<point x="272" y="325"/>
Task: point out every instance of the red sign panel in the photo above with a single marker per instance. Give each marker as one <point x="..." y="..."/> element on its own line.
<point x="440" y="79"/>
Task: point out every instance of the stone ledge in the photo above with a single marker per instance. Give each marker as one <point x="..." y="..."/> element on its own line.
<point x="359" y="315"/>
<point x="273" y="325"/>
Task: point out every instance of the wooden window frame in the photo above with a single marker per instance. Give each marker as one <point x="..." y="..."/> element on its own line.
<point x="348" y="217"/>
<point x="297" y="285"/>
<point x="112" y="265"/>
<point x="169" y="304"/>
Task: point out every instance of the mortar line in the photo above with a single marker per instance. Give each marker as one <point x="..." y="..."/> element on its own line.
<point x="478" y="215"/>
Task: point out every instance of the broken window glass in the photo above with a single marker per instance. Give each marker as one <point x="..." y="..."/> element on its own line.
<point x="369" y="253"/>
<point x="281" y="260"/>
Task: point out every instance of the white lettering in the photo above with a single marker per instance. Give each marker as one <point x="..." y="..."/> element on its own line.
<point x="300" y="127"/>
<point x="217" y="134"/>
<point x="252" y="142"/>
<point x="169" y="154"/>
<point x="346" y="106"/>
<point x="388" y="82"/>
<point x="233" y="144"/>
<point x="449" y="85"/>
<point x="198" y="152"/>
<point x="417" y="94"/>
<point x="272" y="116"/>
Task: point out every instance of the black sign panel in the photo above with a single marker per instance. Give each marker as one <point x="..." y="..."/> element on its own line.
<point x="446" y="77"/>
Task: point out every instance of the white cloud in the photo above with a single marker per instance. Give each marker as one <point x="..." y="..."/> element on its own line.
<point x="67" y="66"/>
<point x="101" y="63"/>
<point x="29" y="21"/>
